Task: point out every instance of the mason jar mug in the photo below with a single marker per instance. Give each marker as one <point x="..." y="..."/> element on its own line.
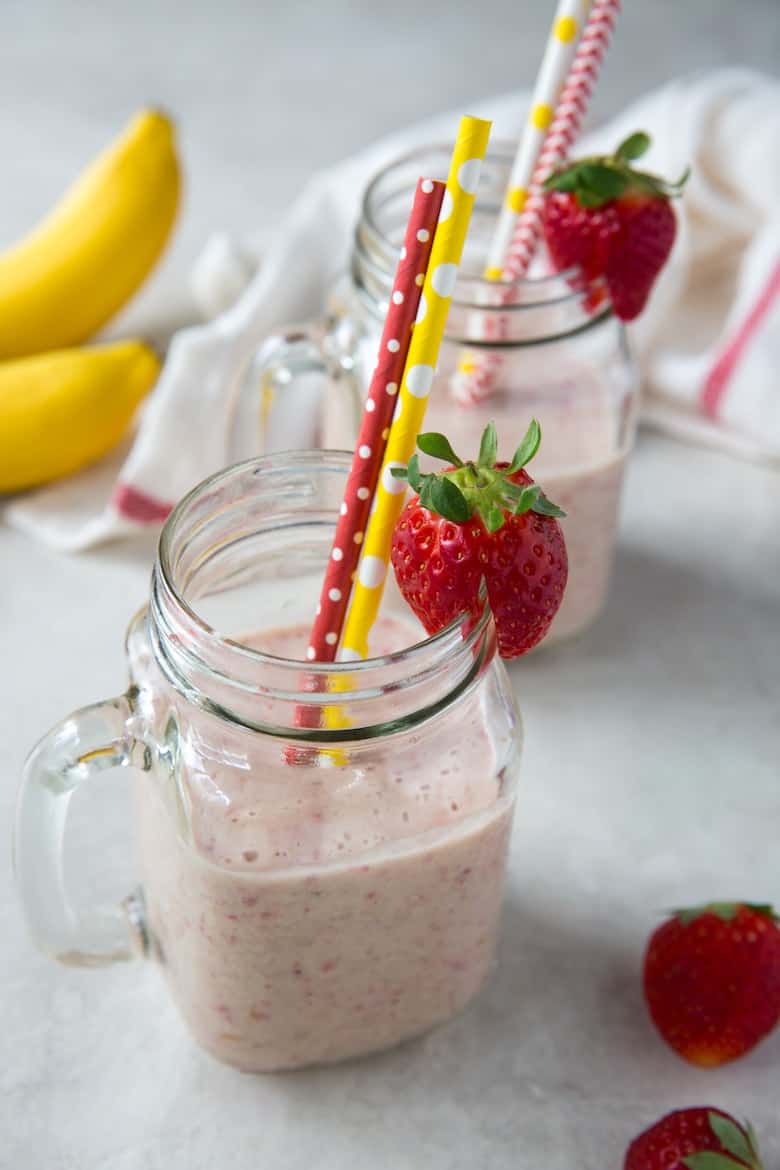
<point x="312" y="887"/>
<point x="547" y="347"/>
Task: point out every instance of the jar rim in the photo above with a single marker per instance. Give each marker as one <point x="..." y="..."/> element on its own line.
<point x="258" y="656"/>
<point x="547" y="289"/>
<point x="187" y="646"/>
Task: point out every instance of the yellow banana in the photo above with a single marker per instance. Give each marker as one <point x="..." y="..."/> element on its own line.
<point x="61" y="283"/>
<point x="61" y="411"/>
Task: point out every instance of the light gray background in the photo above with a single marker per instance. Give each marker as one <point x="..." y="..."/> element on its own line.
<point x="651" y="764"/>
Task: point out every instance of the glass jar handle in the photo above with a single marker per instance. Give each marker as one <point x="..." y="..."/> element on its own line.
<point x="92" y="741"/>
<point x="301" y="391"/>
<point x="290" y="372"/>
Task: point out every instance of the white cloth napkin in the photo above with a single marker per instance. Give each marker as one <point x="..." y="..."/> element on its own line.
<point x="708" y="343"/>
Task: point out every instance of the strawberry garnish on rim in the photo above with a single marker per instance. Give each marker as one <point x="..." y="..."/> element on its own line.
<point x="612" y="221"/>
<point x="699" y="1138"/>
<point x="478" y="521"/>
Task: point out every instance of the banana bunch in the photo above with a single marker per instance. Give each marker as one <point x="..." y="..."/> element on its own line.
<point x="64" y="408"/>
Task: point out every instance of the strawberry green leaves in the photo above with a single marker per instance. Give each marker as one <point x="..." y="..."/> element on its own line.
<point x="597" y="183"/>
<point x="446" y="498"/>
<point x="764" y="909"/>
<point x="593" y="181"/>
<point x="738" y="1142"/>
<point x="726" y="911"/>
<point x="482" y="486"/>
<point x="633" y="147"/>
<point x="544" y="507"/>
<point x="528" y="448"/>
<point x="493" y="518"/>
<point x="733" y="1138"/>
<point x="529" y="499"/>
<point x="708" y="1160"/>
<point x="723" y="910"/>
<point x="438" y="446"/>
<point x="411" y="473"/>
<point x="488" y="447"/>
<point x="436" y="492"/>
<point x="598" y="180"/>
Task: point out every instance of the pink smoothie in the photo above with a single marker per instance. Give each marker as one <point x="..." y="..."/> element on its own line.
<point x="318" y="913"/>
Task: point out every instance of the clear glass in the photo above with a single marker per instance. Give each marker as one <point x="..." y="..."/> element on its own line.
<point x="554" y="348"/>
<point x="322" y="846"/>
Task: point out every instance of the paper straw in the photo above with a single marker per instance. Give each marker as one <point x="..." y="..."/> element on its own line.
<point x="367" y="460"/>
<point x="559" y="51"/>
<point x="477" y="372"/>
<point x="469" y="152"/>
<point x="377" y="417"/>
<point x="564" y="129"/>
<point x="476" y="376"/>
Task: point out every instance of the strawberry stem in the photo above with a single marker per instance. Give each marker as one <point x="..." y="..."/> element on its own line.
<point x="598" y="180"/>
<point x="480" y="486"/>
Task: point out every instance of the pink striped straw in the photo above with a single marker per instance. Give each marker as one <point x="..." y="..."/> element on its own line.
<point x="474" y="386"/>
<point x="564" y="128"/>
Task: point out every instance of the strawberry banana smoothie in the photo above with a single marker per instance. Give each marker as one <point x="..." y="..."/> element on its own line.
<point x="320" y="912"/>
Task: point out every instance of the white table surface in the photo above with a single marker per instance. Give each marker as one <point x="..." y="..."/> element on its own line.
<point x="651" y="767"/>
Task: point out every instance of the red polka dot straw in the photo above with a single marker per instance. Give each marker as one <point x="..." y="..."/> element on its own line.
<point x="377" y="417"/>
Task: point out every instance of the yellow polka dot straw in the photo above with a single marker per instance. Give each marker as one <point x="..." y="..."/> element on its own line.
<point x="558" y="54"/>
<point x="465" y="166"/>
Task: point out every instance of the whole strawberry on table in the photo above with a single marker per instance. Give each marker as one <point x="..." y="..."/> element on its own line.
<point x="712" y="979"/>
<point x="612" y="222"/>
<point x="481" y="521"/>
<point x="700" y="1138"/>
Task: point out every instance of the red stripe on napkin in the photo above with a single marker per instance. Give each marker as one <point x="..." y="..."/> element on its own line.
<point x="135" y="505"/>
<point x="720" y="375"/>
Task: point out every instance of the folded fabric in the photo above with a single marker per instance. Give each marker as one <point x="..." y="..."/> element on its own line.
<point x="708" y="343"/>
